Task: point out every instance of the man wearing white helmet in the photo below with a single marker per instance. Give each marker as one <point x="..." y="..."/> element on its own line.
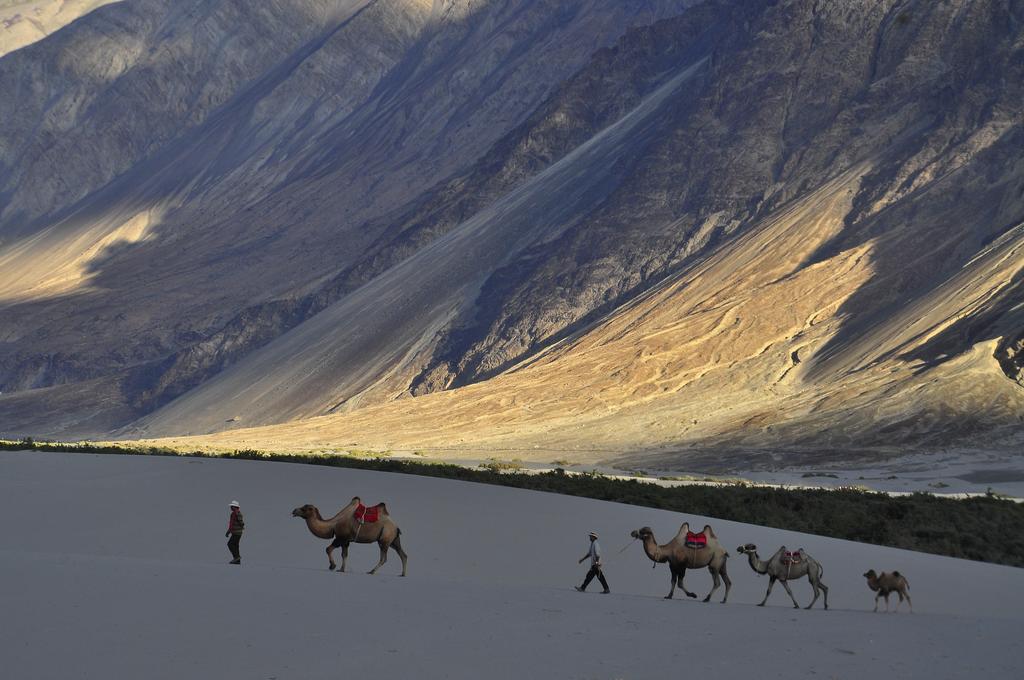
<point x="594" y="553"/>
<point x="236" y="525"/>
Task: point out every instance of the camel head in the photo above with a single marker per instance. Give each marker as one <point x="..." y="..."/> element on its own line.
<point x="870" y="574"/>
<point x="643" y="532"/>
<point x="747" y="549"/>
<point x="305" y="512"/>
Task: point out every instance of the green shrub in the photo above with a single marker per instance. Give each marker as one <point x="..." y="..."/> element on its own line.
<point x="496" y="465"/>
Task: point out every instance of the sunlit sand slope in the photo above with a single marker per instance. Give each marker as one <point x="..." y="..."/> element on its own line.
<point x="740" y="352"/>
<point x="22" y="22"/>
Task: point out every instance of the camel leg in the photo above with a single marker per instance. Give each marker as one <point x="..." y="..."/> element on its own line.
<point x="771" y="583"/>
<point x="672" y="578"/>
<point x="814" y="586"/>
<point x="728" y="582"/>
<point x="682" y="575"/>
<point x="330" y="554"/>
<point x="910" y="604"/>
<point x="878" y="595"/>
<point x="344" y="557"/>
<point x="383" y="556"/>
<point x="824" y="589"/>
<point x="396" y="545"/>
<point x="785" y="584"/>
<point x="715" y="583"/>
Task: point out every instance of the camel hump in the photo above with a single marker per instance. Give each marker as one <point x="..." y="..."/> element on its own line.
<point x="896" y="574"/>
<point x="382" y="508"/>
<point x="709" y="531"/>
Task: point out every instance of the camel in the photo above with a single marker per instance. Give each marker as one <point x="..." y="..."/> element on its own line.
<point x="784" y="566"/>
<point x="681" y="557"/>
<point x="346" y="527"/>
<point x="885" y="584"/>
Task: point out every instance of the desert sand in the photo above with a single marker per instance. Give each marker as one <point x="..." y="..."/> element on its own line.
<point x="116" y="567"/>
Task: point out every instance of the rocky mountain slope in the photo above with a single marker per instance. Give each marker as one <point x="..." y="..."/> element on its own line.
<point x="171" y="184"/>
<point x="23" y="22"/>
<point x="658" y="231"/>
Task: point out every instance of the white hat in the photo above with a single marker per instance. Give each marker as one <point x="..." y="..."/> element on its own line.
<point x="234" y="504"/>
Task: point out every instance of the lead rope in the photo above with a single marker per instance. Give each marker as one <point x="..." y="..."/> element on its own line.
<point x="625" y="547"/>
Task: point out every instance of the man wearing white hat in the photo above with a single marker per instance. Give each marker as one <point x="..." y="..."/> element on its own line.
<point x="594" y="553"/>
<point x="236" y="525"/>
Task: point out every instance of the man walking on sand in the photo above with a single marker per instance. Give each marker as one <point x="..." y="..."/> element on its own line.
<point x="236" y="525"/>
<point x="595" y="566"/>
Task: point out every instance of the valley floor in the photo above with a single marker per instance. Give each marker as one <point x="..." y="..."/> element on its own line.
<point x="116" y="567"/>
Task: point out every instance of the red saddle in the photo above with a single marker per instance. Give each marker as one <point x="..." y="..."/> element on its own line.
<point x="364" y="514"/>
<point x="793" y="557"/>
<point x="695" y="540"/>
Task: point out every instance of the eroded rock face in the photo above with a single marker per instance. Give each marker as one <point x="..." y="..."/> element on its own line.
<point x="402" y="197"/>
<point x="344" y="112"/>
<point x="1010" y="355"/>
<point x="770" y="117"/>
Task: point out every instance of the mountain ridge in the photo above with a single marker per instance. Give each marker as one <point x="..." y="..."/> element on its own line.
<point x="877" y="141"/>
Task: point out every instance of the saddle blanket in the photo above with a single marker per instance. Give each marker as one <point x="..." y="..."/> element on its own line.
<point x="696" y="540"/>
<point x="792" y="557"/>
<point x="367" y="515"/>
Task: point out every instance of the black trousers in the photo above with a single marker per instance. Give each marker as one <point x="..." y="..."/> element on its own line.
<point x="595" y="571"/>
<point x="233" y="546"/>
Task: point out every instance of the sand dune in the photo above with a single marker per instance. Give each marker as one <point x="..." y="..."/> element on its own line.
<point x="139" y="587"/>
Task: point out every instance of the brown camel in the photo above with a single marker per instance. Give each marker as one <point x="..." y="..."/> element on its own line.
<point x="703" y="550"/>
<point x="885" y="584"/>
<point x="784" y="566"/>
<point x="351" y="525"/>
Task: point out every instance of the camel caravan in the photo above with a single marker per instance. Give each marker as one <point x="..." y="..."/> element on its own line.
<point x="358" y="523"/>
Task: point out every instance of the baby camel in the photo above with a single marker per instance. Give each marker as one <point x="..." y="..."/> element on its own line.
<point x="884" y="584"/>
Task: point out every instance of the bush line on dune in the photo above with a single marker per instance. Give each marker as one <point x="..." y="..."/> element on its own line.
<point x="987" y="529"/>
